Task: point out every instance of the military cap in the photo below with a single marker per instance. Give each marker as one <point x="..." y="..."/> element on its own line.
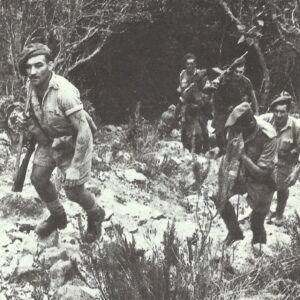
<point x="284" y="98"/>
<point x="237" y="112"/>
<point x="29" y="51"/>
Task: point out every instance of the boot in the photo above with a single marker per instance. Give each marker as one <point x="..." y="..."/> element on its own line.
<point x="257" y="226"/>
<point x="54" y="222"/>
<point x="234" y="231"/>
<point x="94" y="224"/>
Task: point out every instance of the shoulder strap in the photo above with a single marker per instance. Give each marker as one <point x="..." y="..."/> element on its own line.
<point x="35" y="118"/>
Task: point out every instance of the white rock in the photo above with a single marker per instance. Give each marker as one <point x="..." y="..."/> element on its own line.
<point x="176" y="160"/>
<point x="132" y="175"/>
<point x="175" y="133"/>
<point x="108" y="157"/>
<point x="51" y="255"/>
<point x="2" y="296"/>
<point x="8" y="271"/>
<point x="30" y="243"/>
<point x="2" y="261"/>
<point x="111" y="128"/>
<point x="16" y="235"/>
<point x="4" y="240"/>
<point x="25" y="264"/>
<point x="72" y="292"/>
<point x="15" y="247"/>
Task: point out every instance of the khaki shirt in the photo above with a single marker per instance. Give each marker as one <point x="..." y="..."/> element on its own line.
<point x="288" y="138"/>
<point x="261" y="146"/>
<point x="61" y="100"/>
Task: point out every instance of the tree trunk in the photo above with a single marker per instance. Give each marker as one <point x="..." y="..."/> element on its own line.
<point x="266" y="82"/>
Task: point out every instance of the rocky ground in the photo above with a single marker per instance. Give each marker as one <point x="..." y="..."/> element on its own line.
<point x="142" y="192"/>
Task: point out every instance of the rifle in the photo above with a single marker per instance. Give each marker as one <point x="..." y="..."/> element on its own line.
<point x="20" y="171"/>
<point x="214" y="84"/>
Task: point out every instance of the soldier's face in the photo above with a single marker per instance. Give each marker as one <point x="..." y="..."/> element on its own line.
<point x="281" y="114"/>
<point x="239" y="71"/>
<point x="38" y="70"/>
<point x="190" y="64"/>
<point x="245" y="124"/>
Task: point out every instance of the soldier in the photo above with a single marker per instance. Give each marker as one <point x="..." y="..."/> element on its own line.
<point x="257" y="172"/>
<point x="56" y="114"/>
<point x="193" y="106"/>
<point x="288" y="146"/>
<point x="233" y="88"/>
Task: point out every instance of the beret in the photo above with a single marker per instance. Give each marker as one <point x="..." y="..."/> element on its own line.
<point x="282" y="99"/>
<point x="29" y="51"/>
<point x="237" y="112"/>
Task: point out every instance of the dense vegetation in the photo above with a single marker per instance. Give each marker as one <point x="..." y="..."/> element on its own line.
<point x="123" y="51"/>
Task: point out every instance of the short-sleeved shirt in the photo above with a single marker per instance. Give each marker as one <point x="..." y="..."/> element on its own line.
<point x="288" y="138"/>
<point x="196" y="93"/>
<point x="61" y="100"/>
<point x="232" y="91"/>
<point x="194" y="98"/>
<point x="261" y="146"/>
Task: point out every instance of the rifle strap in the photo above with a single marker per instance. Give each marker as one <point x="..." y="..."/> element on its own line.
<point x="37" y="122"/>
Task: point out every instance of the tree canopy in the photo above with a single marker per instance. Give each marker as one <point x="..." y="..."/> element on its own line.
<point x="122" y="51"/>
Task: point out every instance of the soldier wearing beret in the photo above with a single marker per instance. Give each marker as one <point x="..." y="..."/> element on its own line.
<point x="56" y="114"/>
<point x="233" y="88"/>
<point x="257" y="172"/>
<point x="288" y="145"/>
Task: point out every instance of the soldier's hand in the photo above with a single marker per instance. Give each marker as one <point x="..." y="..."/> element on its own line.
<point x="292" y="178"/>
<point x="22" y="121"/>
<point x="72" y="177"/>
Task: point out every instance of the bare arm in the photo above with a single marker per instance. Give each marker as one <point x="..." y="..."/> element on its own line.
<point x="83" y="144"/>
<point x="292" y="178"/>
<point x="253" y="169"/>
<point x="254" y="102"/>
<point x="266" y="162"/>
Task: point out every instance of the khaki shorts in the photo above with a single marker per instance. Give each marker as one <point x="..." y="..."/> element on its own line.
<point x="46" y="156"/>
<point x="283" y="171"/>
<point x="259" y="196"/>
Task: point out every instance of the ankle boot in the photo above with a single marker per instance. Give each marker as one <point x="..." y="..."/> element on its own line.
<point x="234" y="231"/>
<point x="94" y="224"/>
<point x="54" y="222"/>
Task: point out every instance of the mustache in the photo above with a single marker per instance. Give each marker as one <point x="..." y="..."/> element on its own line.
<point x="33" y="77"/>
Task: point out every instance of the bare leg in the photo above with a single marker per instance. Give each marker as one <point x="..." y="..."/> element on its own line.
<point x="82" y="196"/>
<point x="40" y="178"/>
<point x="95" y="214"/>
<point x="282" y="197"/>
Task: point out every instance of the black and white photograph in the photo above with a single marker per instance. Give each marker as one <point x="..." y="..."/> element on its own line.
<point x="149" y="150"/>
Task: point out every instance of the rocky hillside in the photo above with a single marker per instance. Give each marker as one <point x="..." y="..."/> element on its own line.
<point x="144" y="191"/>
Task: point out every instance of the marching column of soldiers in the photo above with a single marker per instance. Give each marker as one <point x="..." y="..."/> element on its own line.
<point x="270" y="160"/>
<point x="62" y="132"/>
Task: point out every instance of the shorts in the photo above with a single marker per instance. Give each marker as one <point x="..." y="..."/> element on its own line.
<point x="283" y="171"/>
<point x="46" y="156"/>
<point x="259" y="195"/>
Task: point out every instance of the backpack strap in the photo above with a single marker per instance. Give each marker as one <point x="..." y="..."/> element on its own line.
<point x="37" y="122"/>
